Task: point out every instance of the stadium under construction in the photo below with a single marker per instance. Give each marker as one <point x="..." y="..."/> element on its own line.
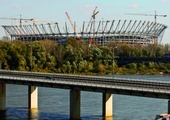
<point x="131" y="32"/>
<point x="102" y="32"/>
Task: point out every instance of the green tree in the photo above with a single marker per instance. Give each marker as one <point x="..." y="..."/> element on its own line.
<point x="74" y="67"/>
<point x="69" y="54"/>
<point x="145" y="53"/>
<point x="69" y="67"/>
<point x="124" y="50"/>
<point x="38" y="56"/>
<point x="158" y="52"/>
<point x="83" y="66"/>
<point x="50" y="62"/>
<point x="107" y="55"/>
<point x="59" y="55"/>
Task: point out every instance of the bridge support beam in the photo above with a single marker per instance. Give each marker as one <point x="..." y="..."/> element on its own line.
<point x="32" y="97"/>
<point x="75" y="104"/>
<point x="169" y="106"/>
<point x="107" y="105"/>
<point x="2" y="96"/>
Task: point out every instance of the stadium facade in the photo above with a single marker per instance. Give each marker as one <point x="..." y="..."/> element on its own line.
<point x="128" y="31"/>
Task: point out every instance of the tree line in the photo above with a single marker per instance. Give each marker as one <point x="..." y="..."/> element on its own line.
<point x="77" y="58"/>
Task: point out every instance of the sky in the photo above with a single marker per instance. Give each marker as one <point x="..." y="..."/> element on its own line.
<point x="81" y="10"/>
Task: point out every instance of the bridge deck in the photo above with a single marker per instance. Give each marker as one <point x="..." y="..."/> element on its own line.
<point x="125" y="86"/>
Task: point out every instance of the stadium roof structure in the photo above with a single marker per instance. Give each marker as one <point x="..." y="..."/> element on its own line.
<point x="128" y="31"/>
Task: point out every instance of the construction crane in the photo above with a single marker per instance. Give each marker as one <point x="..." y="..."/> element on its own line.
<point x="155" y="20"/>
<point x="92" y="18"/>
<point x="155" y="15"/>
<point x="92" y="40"/>
<point x="73" y="26"/>
<point x="20" y="19"/>
<point x="20" y="22"/>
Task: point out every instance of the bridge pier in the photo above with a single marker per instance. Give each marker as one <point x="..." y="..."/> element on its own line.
<point x="2" y="96"/>
<point x="169" y="106"/>
<point x="107" y="105"/>
<point x="32" y="97"/>
<point x="75" y="104"/>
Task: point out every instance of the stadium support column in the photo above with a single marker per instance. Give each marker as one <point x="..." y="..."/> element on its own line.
<point x="2" y="96"/>
<point x="169" y="106"/>
<point x="32" y="97"/>
<point x="75" y="105"/>
<point x="107" y="105"/>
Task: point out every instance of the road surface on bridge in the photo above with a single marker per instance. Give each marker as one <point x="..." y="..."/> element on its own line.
<point x="125" y="86"/>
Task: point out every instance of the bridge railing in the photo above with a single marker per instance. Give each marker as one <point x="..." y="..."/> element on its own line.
<point x="89" y="83"/>
<point x="98" y="80"/>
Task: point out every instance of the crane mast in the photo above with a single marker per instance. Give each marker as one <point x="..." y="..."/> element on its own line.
<point x="92" y="40"/>
<point x="93" y="16"/>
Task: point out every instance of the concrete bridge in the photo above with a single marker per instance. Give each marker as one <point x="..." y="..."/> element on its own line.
<point x="78" y="83"/>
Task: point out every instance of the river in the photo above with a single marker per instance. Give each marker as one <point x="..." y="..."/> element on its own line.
<point x="54" y="104"/>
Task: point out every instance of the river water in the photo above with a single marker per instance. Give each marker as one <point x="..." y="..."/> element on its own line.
<point x="54" y="104"/>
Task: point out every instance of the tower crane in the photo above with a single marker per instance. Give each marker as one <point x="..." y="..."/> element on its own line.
<point x="155" y="15"/>
<point x="20" y="22"/>
<point x="20" y="19"/>
<point x="155" y="20"/>
<point x="92" y="17"/>
<point x="73" y="26"/>
<point x="92" y="40"/>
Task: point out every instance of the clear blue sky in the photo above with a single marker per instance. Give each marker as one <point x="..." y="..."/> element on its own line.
<point x="81" y="10"/>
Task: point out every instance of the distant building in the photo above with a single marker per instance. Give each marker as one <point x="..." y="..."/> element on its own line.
<point x="131" y="32"/>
